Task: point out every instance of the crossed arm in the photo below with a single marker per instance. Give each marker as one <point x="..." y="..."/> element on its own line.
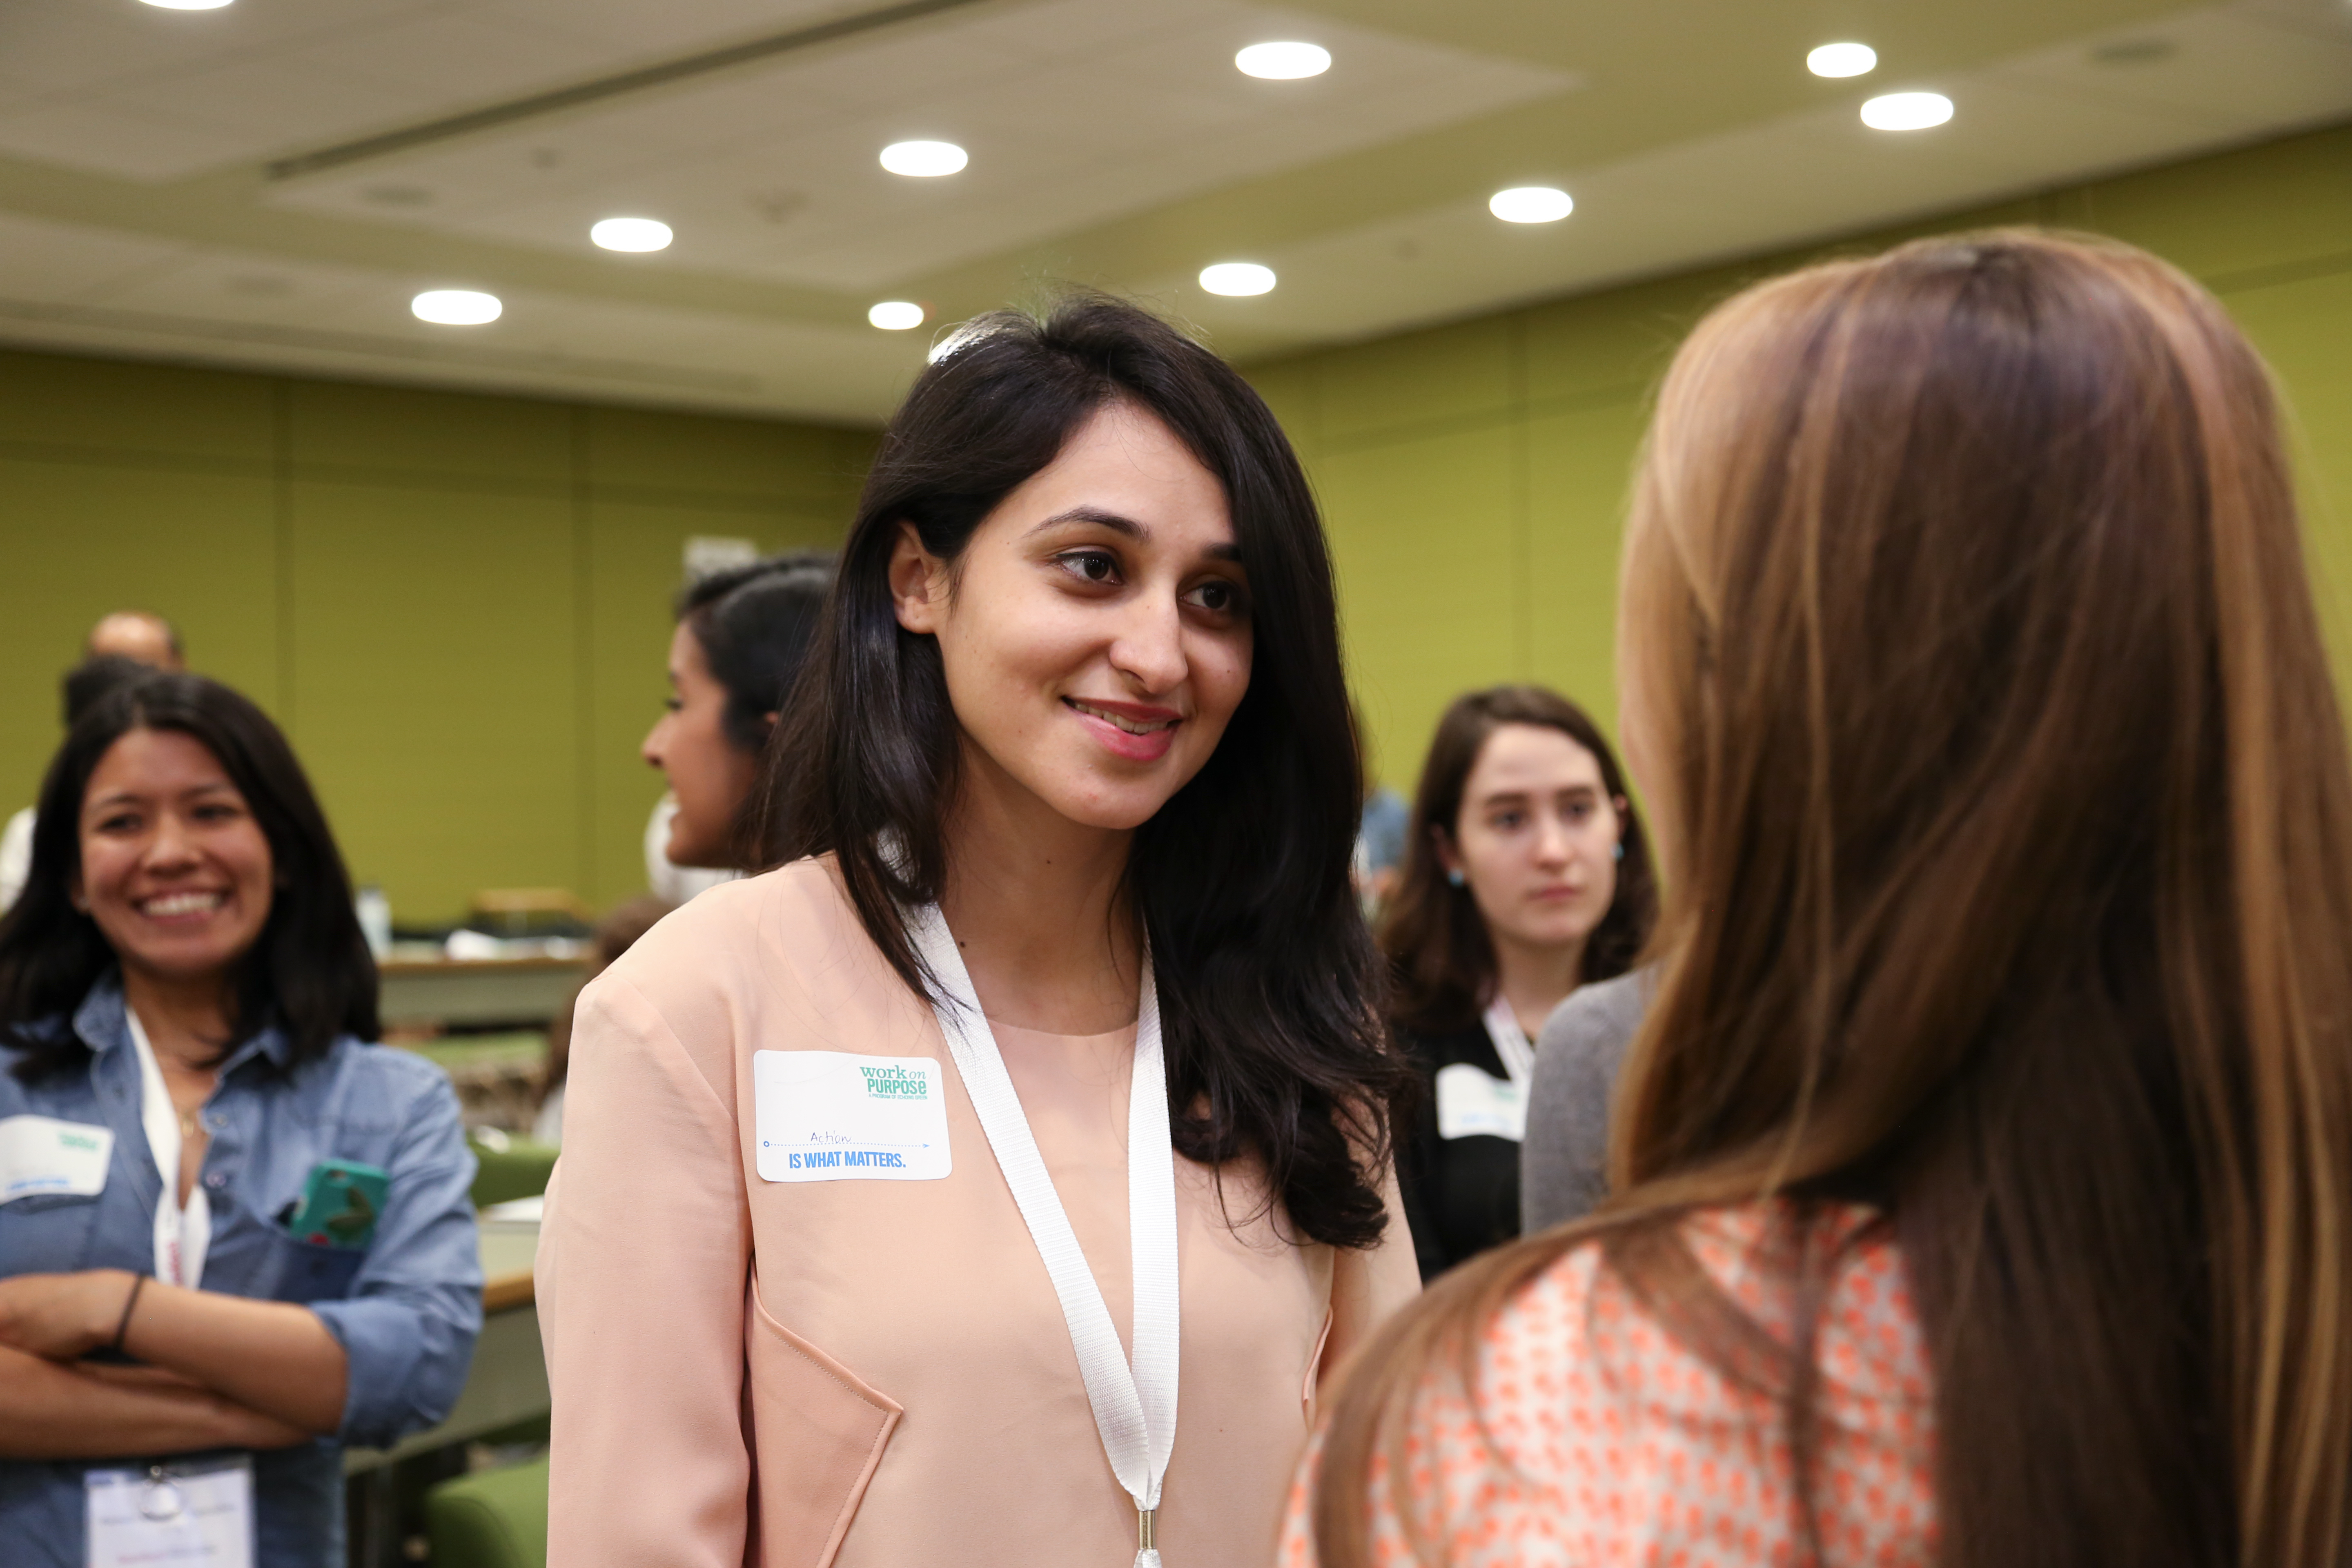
<point x="219" y="1371"/>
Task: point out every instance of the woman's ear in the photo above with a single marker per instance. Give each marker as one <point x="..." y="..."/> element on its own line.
<point x="1449" y="859"/>
<point x="75" y="896"/>
<point x="915" y="578"/>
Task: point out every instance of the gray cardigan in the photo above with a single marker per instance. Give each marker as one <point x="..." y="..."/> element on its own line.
<point x="1563" y="1163"/>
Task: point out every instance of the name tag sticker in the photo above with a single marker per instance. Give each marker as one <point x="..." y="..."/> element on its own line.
<point x="1471" y="1103"/>
<point x="835" y="1116"/>
<point x="40" y="1155"/>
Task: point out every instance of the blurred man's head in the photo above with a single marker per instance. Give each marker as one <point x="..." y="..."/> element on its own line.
<point x="137" y="636"/>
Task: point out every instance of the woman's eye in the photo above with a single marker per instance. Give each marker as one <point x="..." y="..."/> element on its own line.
<point x="1094" y="565"/>
<point x="1506" y="820"/>
<point x="675" y="704"/>
<point x="1217" y="598"/>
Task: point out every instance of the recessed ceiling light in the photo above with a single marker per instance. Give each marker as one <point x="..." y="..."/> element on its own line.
<point x="1531" y="204"/>
<point x="1237" y="277"/>
<point x="188" y="5"/>
<point x="924" y="160"/>
<point x="1906" y="110"/>
<point x="1843" y="59"/>
<point x="1283" y="62"/>
<point x="455" y="307"/>
<point x="896" y="315"/>
<point x="631" y="234"/>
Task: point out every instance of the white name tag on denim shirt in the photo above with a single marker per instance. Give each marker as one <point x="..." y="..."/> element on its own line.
<point x="192" y="1515"/>
<point x="1471" y="1103"/>
<point x="834" y="1116"/>
<point x="42" y="1155"/>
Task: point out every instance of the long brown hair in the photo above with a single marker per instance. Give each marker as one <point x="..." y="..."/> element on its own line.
<point x="1980" y="700"/>
<point x="1440" y="956"/>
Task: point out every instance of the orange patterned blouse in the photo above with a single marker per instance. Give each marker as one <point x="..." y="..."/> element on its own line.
<point x="1606" y="1443"/>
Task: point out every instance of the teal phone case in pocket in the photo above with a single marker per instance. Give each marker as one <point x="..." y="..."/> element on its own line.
<point x="339" y="1202"/>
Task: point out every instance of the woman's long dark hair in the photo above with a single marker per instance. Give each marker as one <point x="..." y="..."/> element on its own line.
<point x="1441" y="960"/>
<point x="1269" y="986"/>
<point x="754" y="625"/>
<point x="309" y="972"/>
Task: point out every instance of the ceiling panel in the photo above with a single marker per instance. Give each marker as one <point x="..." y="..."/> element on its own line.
<point x="1074" y="111"/>
<point x="1113" y="144"/>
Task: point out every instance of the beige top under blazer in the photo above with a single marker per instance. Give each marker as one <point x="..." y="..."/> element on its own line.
<point x="876" y="1373"/>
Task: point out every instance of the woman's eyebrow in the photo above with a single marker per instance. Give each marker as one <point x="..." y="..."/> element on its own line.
<point x="1100" y="519"/>
<point x="1125" y="525"/>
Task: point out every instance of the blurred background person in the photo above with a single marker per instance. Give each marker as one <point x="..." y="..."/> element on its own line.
<point x="121" y="645"/>
<point x="615" y="934"/>
<point x="140" y="635"/>
<point x="1984" y="1156"/>
<point x="229" y="1223"/>
<point x="1526" y="875"/>
<point x="741" y="637"/>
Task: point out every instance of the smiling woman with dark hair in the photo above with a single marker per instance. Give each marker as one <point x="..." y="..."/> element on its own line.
<point x="232" y="1236"/>
<point x="1046" y="1080"/>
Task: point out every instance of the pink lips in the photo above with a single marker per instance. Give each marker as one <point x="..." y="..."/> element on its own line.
<point x="1125" y="744"/>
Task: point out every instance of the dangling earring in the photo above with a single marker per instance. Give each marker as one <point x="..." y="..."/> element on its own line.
<point x="1454" y="878"/>
<point x="1618" y="849"/>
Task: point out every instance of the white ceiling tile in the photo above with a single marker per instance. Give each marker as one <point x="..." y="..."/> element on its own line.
<point x="55" y="262"/>
<point x="2240" y="70"/>
<point x="265" y="103"/>
<point x="1150" y="110"/>
<point x="116" y="142"/>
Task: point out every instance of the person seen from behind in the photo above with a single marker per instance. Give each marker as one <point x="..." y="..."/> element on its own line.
<point x="741" y="637"/>
<point x="1526" y="875"/>
<point x="1983" y="1166"/>
<point x="234" y="1235"/>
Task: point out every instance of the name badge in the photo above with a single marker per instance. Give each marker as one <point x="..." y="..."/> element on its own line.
<point x="42" y="1155"/>
<point x="1471" y="1103"/>
<point x="834" y="1116"/>
<point x="196" y="1514"/>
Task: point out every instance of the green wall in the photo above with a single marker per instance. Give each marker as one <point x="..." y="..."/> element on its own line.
<point x="1474" y="476"/>
<point x="457" y="606"/>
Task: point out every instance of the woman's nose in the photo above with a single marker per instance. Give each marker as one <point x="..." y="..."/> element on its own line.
<point x="170" y="848"/>
<point x="1150" y="646"/>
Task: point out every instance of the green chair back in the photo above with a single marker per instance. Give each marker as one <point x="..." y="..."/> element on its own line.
<point x="494" y="1519"/>
<point x="517" y="1171"/>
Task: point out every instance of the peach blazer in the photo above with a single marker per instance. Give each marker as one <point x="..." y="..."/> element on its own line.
<point x="876" y="1373"/>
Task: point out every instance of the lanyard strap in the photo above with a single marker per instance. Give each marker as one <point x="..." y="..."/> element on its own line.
<point x="182" y="1236"/>
<point x="1510" y="1041"/>
<point x="1134" y="1406"/>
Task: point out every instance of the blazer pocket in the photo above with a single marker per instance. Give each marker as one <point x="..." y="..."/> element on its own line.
<point x="817" y="1435"/>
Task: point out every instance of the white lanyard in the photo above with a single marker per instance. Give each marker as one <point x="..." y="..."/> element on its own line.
<point x="1510" y="1041"/>
<point x="182" y="1236"/>
<point x="1135" y="1408"/>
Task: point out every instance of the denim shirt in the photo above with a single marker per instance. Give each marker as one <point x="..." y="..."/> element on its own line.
<point x="405" y="1310"/>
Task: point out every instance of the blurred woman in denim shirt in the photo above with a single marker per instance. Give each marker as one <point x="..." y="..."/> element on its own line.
<point x="185" y="1000"/>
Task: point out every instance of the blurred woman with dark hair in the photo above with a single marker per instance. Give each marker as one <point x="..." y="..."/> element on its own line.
<point x="1525" y="876"/>
<point x="234" y="1236"/>
<point x="742" y="636"/>
<point x="891" y="1168"/>
<point x="1983" y="1168"/>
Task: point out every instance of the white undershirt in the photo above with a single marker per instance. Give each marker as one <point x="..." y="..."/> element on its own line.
<point x="181" y="1235"/>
